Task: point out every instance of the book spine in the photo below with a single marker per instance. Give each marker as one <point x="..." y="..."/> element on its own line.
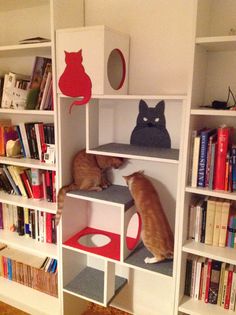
<point x="196" y="150"/>
<point x="221" y="154"/>
<point x="202" y="160"/>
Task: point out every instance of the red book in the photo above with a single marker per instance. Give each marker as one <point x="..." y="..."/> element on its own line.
<point x="228" y="289"/>
<point x="48" y="227"/>
<point x="209" y="264"/>
<point x="26" y="183"/>
<point x="37" y="184"/>
<point x="223" y="134"/>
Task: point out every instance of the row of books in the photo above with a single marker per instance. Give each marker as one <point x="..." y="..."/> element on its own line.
<point x="34" y="138"/>
<point x="19" y="91"/>
<point x="210" y="221"/>
<point x="39" y="273"/>
<point x="28" y="182"/>
<point x="213" y="162"/>
<point x="211" y="281"/>
<point x="38" y="225"/>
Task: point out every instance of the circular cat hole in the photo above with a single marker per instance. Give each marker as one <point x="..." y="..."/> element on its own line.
<point x="94" y="240"/>
<point x="133" y="231"/>
<point x="116" y="69"/>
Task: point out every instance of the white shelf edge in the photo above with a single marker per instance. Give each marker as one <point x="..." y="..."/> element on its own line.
<point x="25" y="46"/>
<point x="215" y="39"/>
<point x="28" y="244"/>
<point x="213" y="112"/>
<point x="24" y="202"/>
<point x="136" y="157"/>
<point x="26" y="162"/>
<point x="110" y="203"/>
<point x="212" y="193"/>
<point x="225" y="254"/>
<point x="177" y="97"/>
<point x="197" y="307"/>
<point x="34" y="301"/>
<point x="26" y="112"/>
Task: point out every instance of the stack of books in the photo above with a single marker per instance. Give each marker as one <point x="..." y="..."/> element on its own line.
<point x="39" y="273"/>
<point x="213" y="163"/>
<point x="211" y="281"/>
<point x="26" y="222"/>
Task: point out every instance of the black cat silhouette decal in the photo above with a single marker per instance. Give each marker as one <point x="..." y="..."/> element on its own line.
<point x="150" y="129"/>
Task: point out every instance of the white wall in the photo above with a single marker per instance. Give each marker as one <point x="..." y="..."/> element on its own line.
<point x="161" y="32"/>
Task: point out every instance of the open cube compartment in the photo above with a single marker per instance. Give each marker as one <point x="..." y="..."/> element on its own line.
<point x="90" y="277"/>
<point x="110" y="123"/>
<point x="103" y="223"/>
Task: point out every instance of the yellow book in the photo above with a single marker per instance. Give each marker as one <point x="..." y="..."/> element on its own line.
<point x="221" y="283"/>
<point x="17" y="170"/>
<point x="224" y="222"/>
<point x="216" y="231"/>
<point x="210" y="219"/>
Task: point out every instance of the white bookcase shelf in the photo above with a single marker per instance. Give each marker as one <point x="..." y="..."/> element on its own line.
<point x="26" y="162"/>
<point x="214" y="252"/>
<point x="12" y="239"/>
<point x="196" y="307"/>
<point x="212" y="193"/>
<point x="35" y="302"/>
<point x="217" y="43"/>
<point x="27" y="112"/>
<point x="31" y="203"/>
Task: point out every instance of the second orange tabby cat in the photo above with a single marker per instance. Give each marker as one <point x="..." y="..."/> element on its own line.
<point x="156" y="232"/>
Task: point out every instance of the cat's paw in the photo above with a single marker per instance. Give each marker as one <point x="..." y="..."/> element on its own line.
<point x="151" y="260"/>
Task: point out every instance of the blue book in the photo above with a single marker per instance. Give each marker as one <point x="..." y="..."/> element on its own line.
<point x="204" y="138"/>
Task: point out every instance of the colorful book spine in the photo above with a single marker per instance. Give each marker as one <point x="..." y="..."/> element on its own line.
<point x="223" y="135"/>
<point x="202" y="164"/>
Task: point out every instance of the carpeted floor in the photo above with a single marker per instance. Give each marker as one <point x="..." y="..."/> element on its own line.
<point x="6" y="309"/>
<point x="93" y="309"/>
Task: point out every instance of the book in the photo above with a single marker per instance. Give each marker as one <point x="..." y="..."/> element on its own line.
<point x="233" y="292"/>
<point x="228" y="286"/>
<point x="208" y="279"/>
<point x="223" y="139"/>
<point x="195" y="160"/>
<point x="24" y="139"/>
<point x="214" y="282"/>
<point x="221" y="283"/>
<point x="224" y="222"/>
<point x="217" y="222"/>
<point x="200" y="262"/>
<point x="202" y="163"/>
<point x="210" y="159"/>
<point x="40" y="64"/>
<point x="37" y="185"/>
<point x="210" y="218"/>
<point x="188" y="275"/>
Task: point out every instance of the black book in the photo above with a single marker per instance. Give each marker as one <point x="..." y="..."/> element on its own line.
<point x="20" y="221"/>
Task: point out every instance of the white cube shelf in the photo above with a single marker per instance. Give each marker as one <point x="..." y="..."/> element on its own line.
<point x="105" y="55"/>
<point x="116" y="236"/>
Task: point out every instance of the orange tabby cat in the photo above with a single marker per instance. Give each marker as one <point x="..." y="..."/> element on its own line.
<point x="88" y="172"/>
<point x="156" y="232"/>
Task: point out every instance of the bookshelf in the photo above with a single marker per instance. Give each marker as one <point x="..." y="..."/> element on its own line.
<point x="20" y="20"/>
<point x="214" y="57"/>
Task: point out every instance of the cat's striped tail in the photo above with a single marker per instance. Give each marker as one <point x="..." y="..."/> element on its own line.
<point x="61" y="198"/>
<point x="84" y="101"/>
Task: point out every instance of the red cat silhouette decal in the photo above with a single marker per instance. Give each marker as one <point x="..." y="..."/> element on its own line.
<point x="74" y="81"/>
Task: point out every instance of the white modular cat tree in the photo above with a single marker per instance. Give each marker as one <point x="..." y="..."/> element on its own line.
<point x="101" y="230"/>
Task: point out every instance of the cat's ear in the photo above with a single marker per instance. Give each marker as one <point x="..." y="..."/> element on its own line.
<point x="160" y="107"/>
<point x="141" y="172"/>
<point x="65" y="52"/>
<point x="142" y="106"/>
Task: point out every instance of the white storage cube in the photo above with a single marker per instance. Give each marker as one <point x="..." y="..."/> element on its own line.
<point x="105" y="55"/>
